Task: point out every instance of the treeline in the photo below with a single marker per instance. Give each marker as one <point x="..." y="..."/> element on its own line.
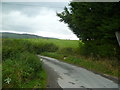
<point x="95" y="24"/>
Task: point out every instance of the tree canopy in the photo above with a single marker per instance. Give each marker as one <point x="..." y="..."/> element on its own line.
<point x="94" y="23"/>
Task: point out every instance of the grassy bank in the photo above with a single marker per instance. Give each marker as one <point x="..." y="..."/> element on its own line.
<point x="101" y="66"/>
<point x="23" y="71"/>
<point x="21" y="68"/>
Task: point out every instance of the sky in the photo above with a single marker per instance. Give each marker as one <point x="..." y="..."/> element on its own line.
<point x="37" y="18"/>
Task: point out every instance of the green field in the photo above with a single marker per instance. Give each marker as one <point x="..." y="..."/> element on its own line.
<point x="59" y="42"/>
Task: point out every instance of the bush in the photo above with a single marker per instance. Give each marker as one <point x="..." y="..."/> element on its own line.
<point x="67" y="50"/>
<point x="106" y="50"/>
<point x="21" y="67"/>
<point x="89" y="49"/>
<point x="24" y="68"/>
<point x="13" y="46"/>
<point x="95" y="50"/>
<point x="44" y="47"/>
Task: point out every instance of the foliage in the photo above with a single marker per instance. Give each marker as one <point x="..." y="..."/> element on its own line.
<point x="21" y="70"/>
<point x="21" y="67"/>
<point x="95" y="24"/>
<point x="15" y="46"/>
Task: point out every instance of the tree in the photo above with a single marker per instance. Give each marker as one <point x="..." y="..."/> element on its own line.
<point x="95" y="24"/>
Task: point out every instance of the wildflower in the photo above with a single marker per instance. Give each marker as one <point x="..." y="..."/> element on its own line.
<point x="64" y="58"/>
<point x="41" y="59"/>
<point x="8" y="80"/>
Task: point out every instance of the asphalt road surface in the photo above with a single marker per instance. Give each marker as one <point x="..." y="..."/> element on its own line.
<point x="64" y="75"/>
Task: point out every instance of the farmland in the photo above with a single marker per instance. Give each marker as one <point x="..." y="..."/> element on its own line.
<point x="59" y="42"/>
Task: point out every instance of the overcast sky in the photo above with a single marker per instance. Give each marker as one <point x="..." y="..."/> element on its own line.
<point x="35" y="18"/>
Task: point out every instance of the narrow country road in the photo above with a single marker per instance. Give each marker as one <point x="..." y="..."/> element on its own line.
<point x="63" y="75"/>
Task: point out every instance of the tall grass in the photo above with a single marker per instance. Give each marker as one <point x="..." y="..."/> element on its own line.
<point x="21" y="70"/>
<point x="21" y="67"/>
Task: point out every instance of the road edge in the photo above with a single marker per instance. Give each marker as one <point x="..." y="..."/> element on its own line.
<point x="114" y="79"/>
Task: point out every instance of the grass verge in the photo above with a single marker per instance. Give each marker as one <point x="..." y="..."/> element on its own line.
<point x="104" y="66"/>
<point x="23" y="71"/>
<point x="21" y="67"/>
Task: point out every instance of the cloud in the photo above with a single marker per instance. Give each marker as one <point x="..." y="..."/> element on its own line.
<point x="44" y="23"/>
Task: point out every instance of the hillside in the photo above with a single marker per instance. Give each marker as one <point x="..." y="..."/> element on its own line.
<point x="16" y="35"/>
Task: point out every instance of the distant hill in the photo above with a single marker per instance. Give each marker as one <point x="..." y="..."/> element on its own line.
<point x="16" y="35"/>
